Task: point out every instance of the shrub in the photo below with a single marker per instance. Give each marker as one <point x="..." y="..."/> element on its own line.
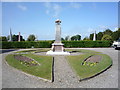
<point x="79" y="44"/>
<point x="27" y="44"/>
<point x="48" y="44"/>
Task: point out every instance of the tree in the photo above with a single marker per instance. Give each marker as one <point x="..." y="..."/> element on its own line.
<point x="67" y="38"/>
<point x="116" y="35"/>
<point x="76" y="38"/>
<point x="62" y="39"/>
<point x="91" y="36"/>
<point x="86" y="39"/>
<point x="99" y="36"/>
<point x="106" y="38"/>
<point x="73" y="38"/>
<point x="31" y="37"/>
<point x="3" y="38"/>
<point x="15" y="38"/>
<point x="108" y="32"/>
<point x="21" y="38"/>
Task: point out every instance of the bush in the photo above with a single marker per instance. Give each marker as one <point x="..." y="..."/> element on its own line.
<point x="27" y="44"/>
<point x="81" y="44"/>
<point x="48" y="44"/>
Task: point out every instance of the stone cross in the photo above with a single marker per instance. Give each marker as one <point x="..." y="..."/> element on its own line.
<point x="58" y="31"/>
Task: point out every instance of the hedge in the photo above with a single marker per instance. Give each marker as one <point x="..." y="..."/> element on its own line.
<point x="27" y="44"/>
<point x="79" y="44"/>
<point x="47" y="44"/>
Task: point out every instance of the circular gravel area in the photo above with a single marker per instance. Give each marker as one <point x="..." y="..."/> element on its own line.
<point x="64" y="75"/>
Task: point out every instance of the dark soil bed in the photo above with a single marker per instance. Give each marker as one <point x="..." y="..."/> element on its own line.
<point x="26" y="60"/>
<point x="95" y="58"/>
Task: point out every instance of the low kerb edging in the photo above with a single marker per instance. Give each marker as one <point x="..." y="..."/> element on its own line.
<point x="52" y="76"/>
<point x="33" y="76"/>
<point x="96" y="74"/>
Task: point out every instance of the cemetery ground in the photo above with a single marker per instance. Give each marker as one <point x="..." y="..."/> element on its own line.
<point x="66" y="72"/>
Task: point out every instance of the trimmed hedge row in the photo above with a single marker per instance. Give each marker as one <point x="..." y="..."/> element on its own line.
<point x="47" y="44"/>
<point x="78" y="44"/>
<point x="27" y="44"/>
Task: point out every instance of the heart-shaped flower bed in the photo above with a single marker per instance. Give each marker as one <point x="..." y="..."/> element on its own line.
<point x="92" y="60"/>
<point x="26" y="61"/>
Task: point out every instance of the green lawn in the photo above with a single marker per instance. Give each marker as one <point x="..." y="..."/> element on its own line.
<point x="41" y="50"/>
<point x="85" y="71"/>
<point x="81" y="50"/>
<point x="33" y="51"/>
<point x="44" y="70"/>
<point x="24" y="51"/>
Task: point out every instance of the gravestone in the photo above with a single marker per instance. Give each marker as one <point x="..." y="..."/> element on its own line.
<point x="57" y="46"/>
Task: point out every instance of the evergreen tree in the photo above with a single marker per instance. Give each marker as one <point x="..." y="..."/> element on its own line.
<point x="106" y="38"/>
<point x="3" y="38"/>
<point x="31" y="37"/>
<point x="116" y="35"/>
<point x="108" y="32"/>
<point x="91" y="36"/>
<point x="99" y="36"/>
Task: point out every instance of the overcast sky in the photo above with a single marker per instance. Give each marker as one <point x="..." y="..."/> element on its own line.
<point x="38" y="18"/>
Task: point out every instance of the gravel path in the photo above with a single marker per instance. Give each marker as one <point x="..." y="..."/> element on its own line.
<point x="13" y="78"/>
<point x="63" y="73"/>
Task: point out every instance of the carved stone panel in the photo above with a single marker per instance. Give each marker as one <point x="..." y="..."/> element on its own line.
<point x="58" y="48"/>
<point x="58" y="34"/>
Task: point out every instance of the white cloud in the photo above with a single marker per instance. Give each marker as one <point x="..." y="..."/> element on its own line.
<point x="102" y="27"/>
<point x="57" y="9"/>
<point x="22" y="7"/>
<point x="53" y="9"/>
<point x="47" y="12"/>
<point x="47" y="4"/>
<point x="91" y="30"/>
<point x="75" y="5"/>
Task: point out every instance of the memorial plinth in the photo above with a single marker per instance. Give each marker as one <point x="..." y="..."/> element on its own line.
<point x="57" y="46"/>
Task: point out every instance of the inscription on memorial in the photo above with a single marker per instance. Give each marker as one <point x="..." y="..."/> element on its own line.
<point x="58" y="48"/>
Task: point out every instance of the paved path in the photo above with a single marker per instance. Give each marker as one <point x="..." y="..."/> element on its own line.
<point x="13" y="78"/>
<point x="63" y="73"/>
<point x="6" y="50"/>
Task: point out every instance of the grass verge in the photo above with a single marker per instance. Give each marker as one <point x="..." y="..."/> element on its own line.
<point x="43" y="71"/>
<point x="33" y="51"/>
<point x="85" y="71"/>
<point x="81" y="50"/>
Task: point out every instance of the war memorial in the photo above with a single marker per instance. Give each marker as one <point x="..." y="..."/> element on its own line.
<point x="57" y="46"/>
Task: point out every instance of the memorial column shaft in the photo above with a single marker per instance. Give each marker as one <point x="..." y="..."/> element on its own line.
<point x="58" y="33"/>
